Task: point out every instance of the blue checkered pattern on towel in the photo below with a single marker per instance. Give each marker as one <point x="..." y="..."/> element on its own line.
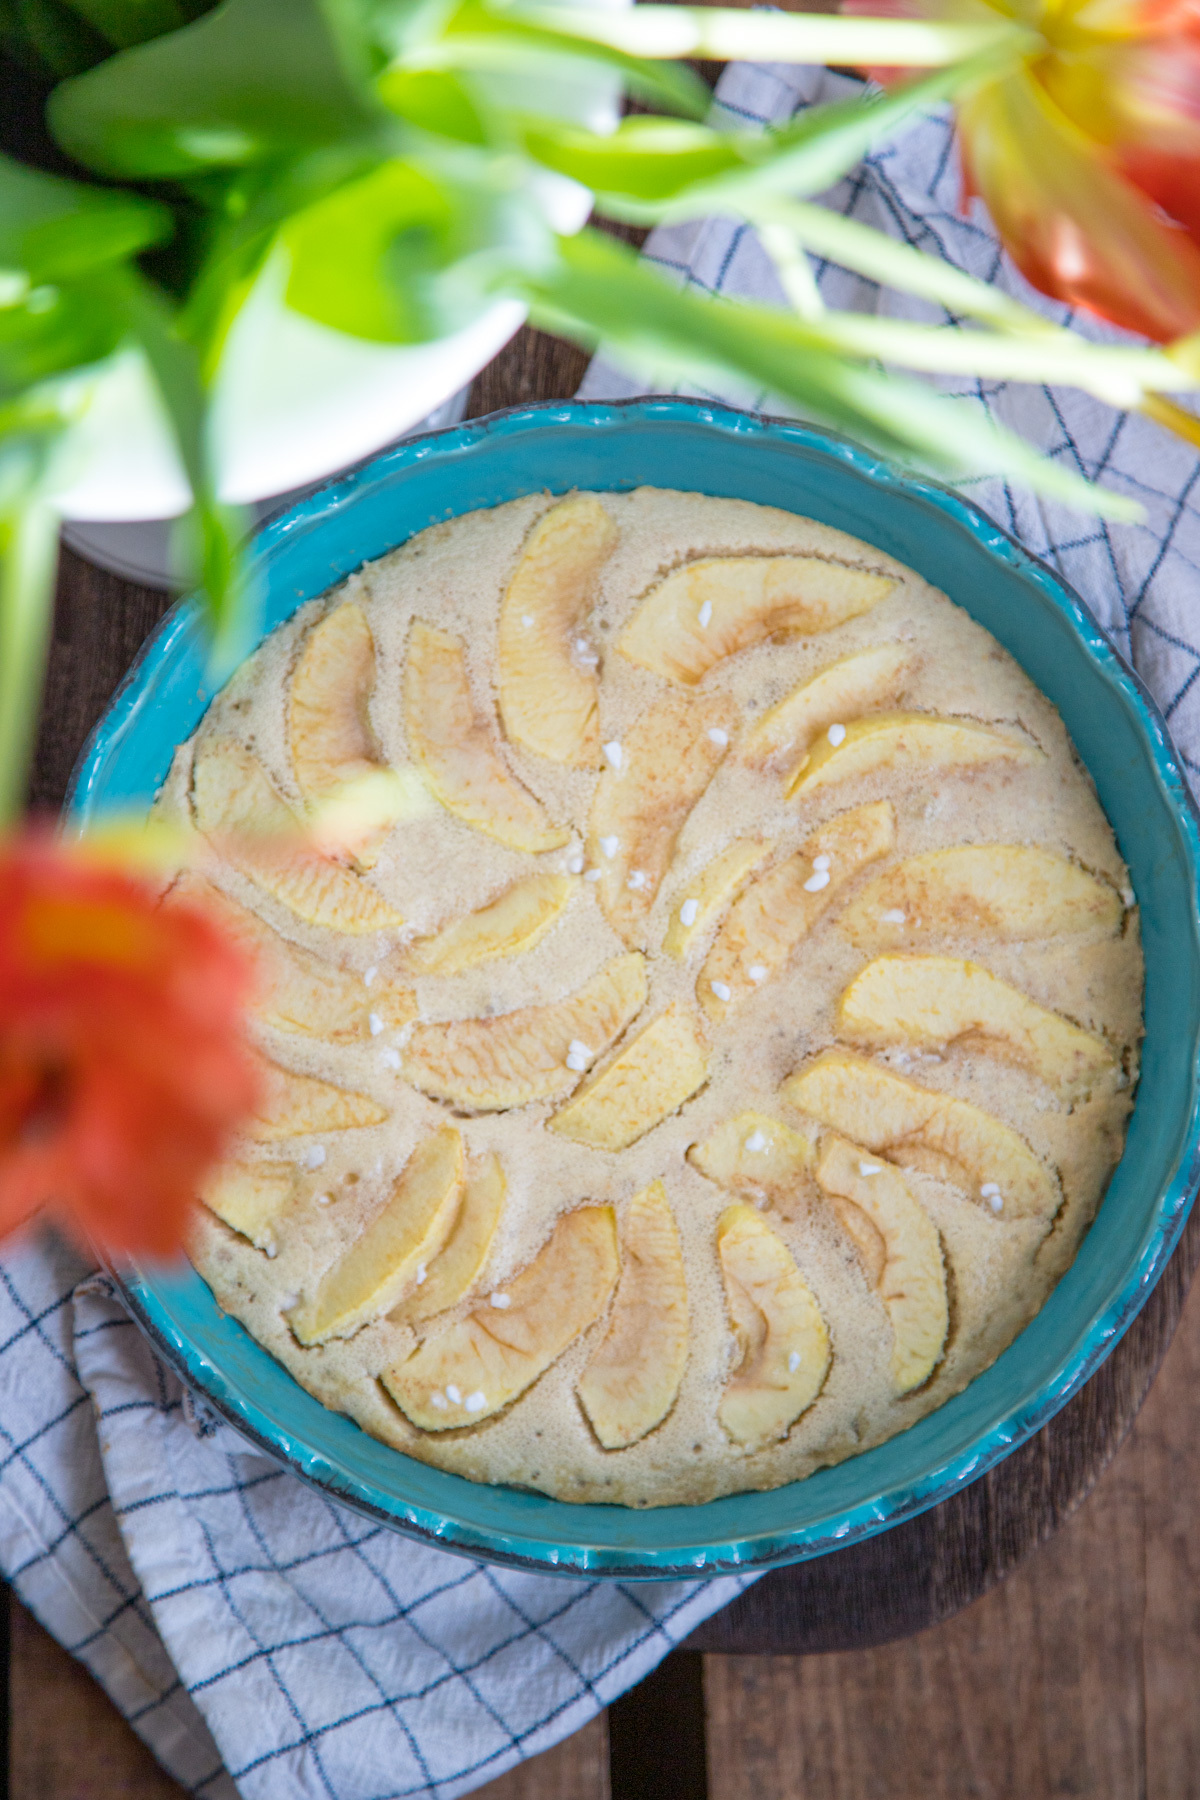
<point x="269" y="1643"/>
<point x="262" y="1639"/>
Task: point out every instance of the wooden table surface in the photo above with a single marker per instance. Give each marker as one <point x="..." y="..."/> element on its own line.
<point x="1080" y="1675"/>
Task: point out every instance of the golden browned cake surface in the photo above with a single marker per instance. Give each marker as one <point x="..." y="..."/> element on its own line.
<point x="715" y="1055"/>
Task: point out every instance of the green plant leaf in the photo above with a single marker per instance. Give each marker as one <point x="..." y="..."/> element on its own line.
<point x="53" y="230"/>
<point x="28" y="559"/>
<point x="125" y="22"/>
<point x="49" y="33"/>
<point x="253" y="80"/>
<point x="1116" y="374"/>
<point x="55" y="235"/>
<point x="730" y="34"/>
<point x="823" y="143"/>
<point x="488" y="40"/>
<point x="600" y="293"/>
<point x="210" y="536"/>
<point x="407" y="253"/>
<point x="245" y="209"/>
<point x="208" y="550"/>
<point x="645" y="159"/>
<point x="53" y="332"/>
<point x="894" y="264"/>
<point x="363" y="258"/>
<point x="655" y="169"/>
<point x="438" y="101"/>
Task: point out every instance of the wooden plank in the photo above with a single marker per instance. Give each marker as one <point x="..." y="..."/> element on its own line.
<point x="656" y="1734"/>
<point x="100" y="624"/>
<point x="68" y="1742"/>
<point x="1169" y="1447"/>
<point x="1078" y="1675"/>
<point x="532" y="367"/>
<point x="576" y="1769"/>
<point x="1035" y="1690"/>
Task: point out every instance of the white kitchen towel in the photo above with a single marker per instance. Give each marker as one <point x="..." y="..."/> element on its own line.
<point x="268" y="1642"/>
<point x="264" y="1640"/>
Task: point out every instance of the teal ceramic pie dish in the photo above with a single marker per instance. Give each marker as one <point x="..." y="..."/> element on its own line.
<point x="1119" y="736"/>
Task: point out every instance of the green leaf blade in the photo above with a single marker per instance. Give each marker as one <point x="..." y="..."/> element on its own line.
<point x="730" y="34"/>
<point x="251" y="80"/>
<point x="645" y="159"/>
<point x="54" y="230"/>
<point x="497" y="40"/>
<point x="126" y="22"/>
<point x="602" y="294"/>
<point x="28" y="560"/>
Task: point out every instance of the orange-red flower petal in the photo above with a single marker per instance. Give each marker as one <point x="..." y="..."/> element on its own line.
<point x="123" y="1062"/>
<point x="1141" y="101"/>
<point x="1074" y="226"/>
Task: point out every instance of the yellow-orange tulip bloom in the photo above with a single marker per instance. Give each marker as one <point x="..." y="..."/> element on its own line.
<point x="1086" y="152"/>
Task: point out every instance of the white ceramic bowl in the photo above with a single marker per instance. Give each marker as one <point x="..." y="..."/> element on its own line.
<point x="294" y="401"/>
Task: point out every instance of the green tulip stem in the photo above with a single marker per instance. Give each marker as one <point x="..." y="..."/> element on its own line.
<point x="793" y="269"/>
<point x="730" y="34"/>
<point x="892" y="264"/>
<point x="28" y="561"/>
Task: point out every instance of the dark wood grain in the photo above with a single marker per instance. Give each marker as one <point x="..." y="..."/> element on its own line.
<point x="576" y="1769"/>
<point x="1078" y="1676"/>
<point x="656" y="1734"/>
<point x="532" y="367"/>
<point x="68" y="1742"/>
<point x="100" y="624"/>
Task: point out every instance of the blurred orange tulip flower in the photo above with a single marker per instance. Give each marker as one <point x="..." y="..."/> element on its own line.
<point x="1086" y="152"/>
<point x="124" y="1066"/>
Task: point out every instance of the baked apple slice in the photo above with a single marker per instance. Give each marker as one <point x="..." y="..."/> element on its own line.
<point x="632" y="1380"/>
<point x="708" y="895"/>
<point x="513" y="922"/>
<point x="921" y="1129"/>
<point x="711" y="609"/>
<point x="902" y="1254"/>
<point x="907" y="740"/>
<point x="236" y="804"/>
<point x="655" y="776"/>
<point x="647" y="1081"/>
<point x="249" y="1197"/>
<point x="329" y="725"/>
<point x="534" y="1053"/>
<point x="1009" y="892"/>
<point x="294" y="1105"/>
<point x="382" y="1265"/>
<point x="296" y="991"/>
<point x="549" y="693"/>
<point x="456" y="751"/>
<point x="931" y="1001"/>
<point x="845" y="689"/>
<point x="781" y="906"/>
<point x="454" y="1270"/>
<point x="758" y="1157"/>
<point x="783" y="1339"/>
<point x="467" y="1369"/>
